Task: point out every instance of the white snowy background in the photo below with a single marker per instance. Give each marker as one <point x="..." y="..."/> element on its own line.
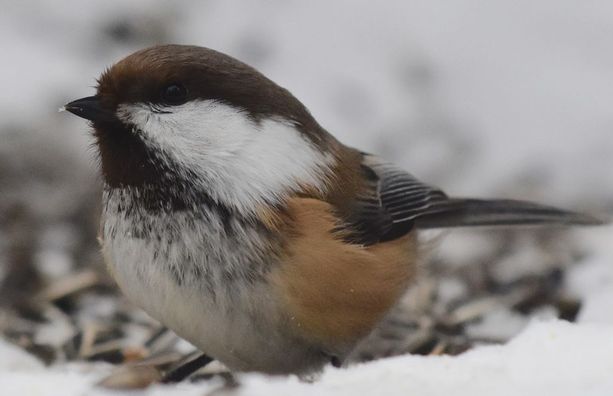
<point x="485" y="98"/>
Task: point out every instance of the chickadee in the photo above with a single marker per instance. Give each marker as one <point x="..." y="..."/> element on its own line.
<point x="231" y="216"/>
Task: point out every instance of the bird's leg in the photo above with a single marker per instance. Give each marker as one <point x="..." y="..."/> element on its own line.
<point x="186" y="369"/>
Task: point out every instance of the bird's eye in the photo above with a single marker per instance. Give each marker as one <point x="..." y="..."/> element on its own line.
<point x="174" y="94"/>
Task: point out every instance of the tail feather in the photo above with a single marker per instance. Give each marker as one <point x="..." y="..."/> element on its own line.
<point x="457" y="212"/>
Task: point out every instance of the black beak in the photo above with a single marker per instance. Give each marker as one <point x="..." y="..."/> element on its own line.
<point x="90" y="109"/>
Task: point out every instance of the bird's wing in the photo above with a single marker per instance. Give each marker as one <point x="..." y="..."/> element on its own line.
<point x="394" y="202"/>
<point x="387" y="208"/>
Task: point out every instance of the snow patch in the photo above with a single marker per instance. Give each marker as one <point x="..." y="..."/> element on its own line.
<point x="552" y="357"/>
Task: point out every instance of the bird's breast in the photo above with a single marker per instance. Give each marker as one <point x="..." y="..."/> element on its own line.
<point x="204" y="282"/>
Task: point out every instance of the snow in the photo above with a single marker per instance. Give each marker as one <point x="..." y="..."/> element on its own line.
<point x="553" y="357"/>
<point x="13" y="358"/>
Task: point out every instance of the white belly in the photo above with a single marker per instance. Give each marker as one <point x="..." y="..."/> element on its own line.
<point x="217" y="325"/>
<point x="183" y="281"/>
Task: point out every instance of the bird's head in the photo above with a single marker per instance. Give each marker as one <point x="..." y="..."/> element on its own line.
<point x="191" y="120"/>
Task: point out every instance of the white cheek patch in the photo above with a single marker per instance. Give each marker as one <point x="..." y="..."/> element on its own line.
<point x="239" y="162"/>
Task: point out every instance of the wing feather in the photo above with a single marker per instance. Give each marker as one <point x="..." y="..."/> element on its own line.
<point x="390" y="202"/>
<point x="393" y="202"/>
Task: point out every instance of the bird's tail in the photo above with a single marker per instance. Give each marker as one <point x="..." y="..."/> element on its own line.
<point x="459" y="212"/>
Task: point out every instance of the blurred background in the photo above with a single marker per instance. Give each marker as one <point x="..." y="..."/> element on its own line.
<point x="510" y="99"/>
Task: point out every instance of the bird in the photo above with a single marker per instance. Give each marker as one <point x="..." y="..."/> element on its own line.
<point x="230" y="215"/>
